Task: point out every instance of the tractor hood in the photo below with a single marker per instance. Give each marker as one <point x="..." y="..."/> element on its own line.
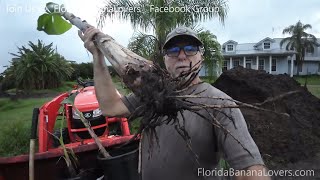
<point x="86" y="99"/>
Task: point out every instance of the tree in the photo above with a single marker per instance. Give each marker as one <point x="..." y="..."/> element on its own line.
<point x="1" y="77"/>
<point x="147" y="15"/>
<point x="83" y="70"/>
<point x="299" y="41"/>
<point x="143" y="45"/>
<point x="212" y="54"/>
<point x="9" y="81"/>
<point x="38" y="67"/>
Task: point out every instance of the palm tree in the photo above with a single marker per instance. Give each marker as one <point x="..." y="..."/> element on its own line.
<point x="146" y="15"/>
<point x="212" y="54"/>
<point x="8" y="81"/>
<point x="38" y="67"/>
<point x="299" y="41"/>
<point x="147" y="46"/>
<point x="144" y="45"/>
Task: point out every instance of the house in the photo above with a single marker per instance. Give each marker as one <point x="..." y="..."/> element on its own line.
<point x="269" y="56"/>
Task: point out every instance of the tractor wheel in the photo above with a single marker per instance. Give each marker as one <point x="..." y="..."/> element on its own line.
<point x="65" y="137"/>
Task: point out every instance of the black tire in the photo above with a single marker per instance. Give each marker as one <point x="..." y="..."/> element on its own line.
<point x="65" y="137"/>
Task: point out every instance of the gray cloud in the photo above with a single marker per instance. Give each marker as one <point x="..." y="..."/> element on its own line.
<point x="251" y="20"/>
<point x="19" y="23"/>
<point x="247" y="21"/>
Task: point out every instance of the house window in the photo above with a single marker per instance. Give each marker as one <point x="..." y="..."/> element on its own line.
<point x="266" y="45"/>
<point x="261" y="64"/>
<point x="225" y="65"/>
<point x="236" y="63"/>
<point x="254" y="62"/>
<point x="229" y="47"/>
<point x="248" y="63"/>
<point x="309" y="50"/>
<point x="274" y="64"/>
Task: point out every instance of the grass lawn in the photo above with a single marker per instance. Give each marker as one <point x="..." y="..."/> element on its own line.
<point x="15" y="124"/>
<point x="15" y="120"/>
<point x="314" y="89"/>
<point x="311" y="79"/>
<point x="66" y="86"/>
<point x="313" y="83"/>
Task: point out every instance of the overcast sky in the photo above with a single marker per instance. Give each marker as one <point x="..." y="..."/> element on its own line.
<point x="247" y="21"/>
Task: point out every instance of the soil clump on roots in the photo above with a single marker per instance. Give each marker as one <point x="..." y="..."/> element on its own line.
<point x="281" y="140"/>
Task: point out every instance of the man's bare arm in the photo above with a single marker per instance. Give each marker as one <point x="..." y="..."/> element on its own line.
<point x="107" y="95"/>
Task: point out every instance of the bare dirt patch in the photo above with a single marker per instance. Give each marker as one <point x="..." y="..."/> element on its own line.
<point x="291" y="142"/>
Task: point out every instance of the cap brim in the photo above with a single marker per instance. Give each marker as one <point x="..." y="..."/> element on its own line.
<point x="172" y="40"/>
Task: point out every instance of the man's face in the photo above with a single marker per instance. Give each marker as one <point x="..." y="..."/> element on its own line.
<point x="180" y="61"/>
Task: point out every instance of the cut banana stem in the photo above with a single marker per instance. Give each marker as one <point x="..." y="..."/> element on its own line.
<point x="122" y="59"/>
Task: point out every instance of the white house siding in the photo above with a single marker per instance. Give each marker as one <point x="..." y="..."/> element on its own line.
<point x="283" y="65"/>
<point x="316" y="53"/>
<point x="309" y="67"/>
<point x="283" y="56"/>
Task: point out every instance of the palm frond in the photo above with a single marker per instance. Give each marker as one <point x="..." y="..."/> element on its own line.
<point x="212" y="53"/>
<point x="144" y="45"/>
<point x="286" y="40"/>
<point x="38" y="67"/>
<point x="135" y="12"/>
<point x="147" y="15"/>
<point x="306" y="26"/>
<point x="299" y="40"/>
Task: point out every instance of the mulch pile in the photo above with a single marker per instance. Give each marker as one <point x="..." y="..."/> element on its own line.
<point x="281" y="140"/>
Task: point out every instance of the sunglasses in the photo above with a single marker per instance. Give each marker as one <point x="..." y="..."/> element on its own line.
<point x="189" y="50"/>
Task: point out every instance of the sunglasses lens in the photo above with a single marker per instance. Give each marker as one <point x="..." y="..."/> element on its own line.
<point x="173" y="52"/>
<point x="190" y="50"/>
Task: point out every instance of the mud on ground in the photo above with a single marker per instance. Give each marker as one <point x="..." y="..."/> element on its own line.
<point x="292" y="142"/>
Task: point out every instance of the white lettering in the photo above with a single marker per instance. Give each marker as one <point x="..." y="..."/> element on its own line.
<point x="200" y="171"/>
<point x="11" y="8"/>
<point x="232" y="172"/>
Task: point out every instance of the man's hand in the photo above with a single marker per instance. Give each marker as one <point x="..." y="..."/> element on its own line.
<point x="108" y="97"/>
<point x="255" y="168"/>
<point x="87" y="38"/>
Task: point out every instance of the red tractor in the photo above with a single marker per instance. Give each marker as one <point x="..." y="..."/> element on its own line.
<point x="86" y="102"/>
<point x="112" y="132"/>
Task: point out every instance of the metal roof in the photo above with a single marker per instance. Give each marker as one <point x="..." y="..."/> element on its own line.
<point x="251" y="49"/>
<point x="265" y="39"/>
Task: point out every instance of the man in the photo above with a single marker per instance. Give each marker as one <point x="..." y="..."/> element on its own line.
<point x="172" y="159"/>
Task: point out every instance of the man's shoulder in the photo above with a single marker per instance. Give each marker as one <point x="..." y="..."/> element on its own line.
<point x="210" y="90"/>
